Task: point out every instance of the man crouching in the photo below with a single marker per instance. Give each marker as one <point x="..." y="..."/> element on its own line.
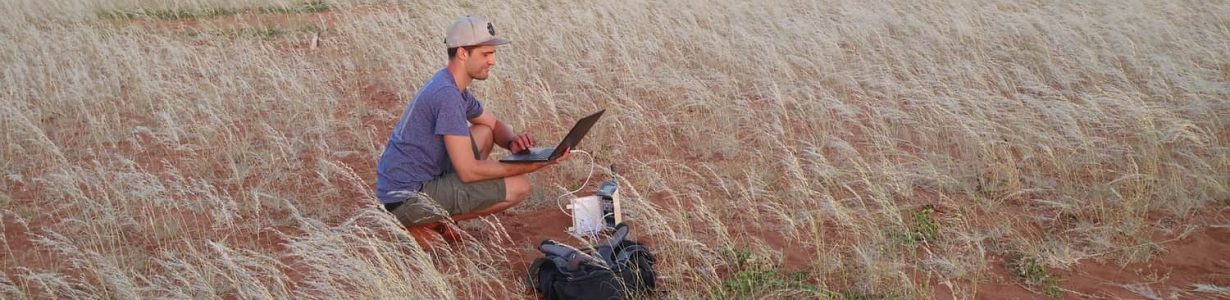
<point x="434" y="168"/>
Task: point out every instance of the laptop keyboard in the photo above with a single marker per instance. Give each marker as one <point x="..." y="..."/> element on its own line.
<point x="537" y="155"/>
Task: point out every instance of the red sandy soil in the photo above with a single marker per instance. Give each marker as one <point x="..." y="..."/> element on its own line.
<point x="1201" y="257"/>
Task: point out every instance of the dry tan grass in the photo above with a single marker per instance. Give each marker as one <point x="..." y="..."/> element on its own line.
<point x="231" y="154"/>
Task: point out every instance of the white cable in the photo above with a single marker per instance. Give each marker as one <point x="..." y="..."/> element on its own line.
<point x="587" y="177"/>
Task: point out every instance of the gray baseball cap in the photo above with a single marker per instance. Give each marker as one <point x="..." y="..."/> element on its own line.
<point x="472" y="31"/>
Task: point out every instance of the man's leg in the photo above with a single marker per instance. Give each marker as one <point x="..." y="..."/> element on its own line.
<point x="516" y="189"/>
<point x="483" y="139"/>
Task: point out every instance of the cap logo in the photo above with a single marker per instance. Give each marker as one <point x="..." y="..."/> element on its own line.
<point x="491" y="29"/>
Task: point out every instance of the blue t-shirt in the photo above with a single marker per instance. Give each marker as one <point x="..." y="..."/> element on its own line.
<point x="415" y="152"/>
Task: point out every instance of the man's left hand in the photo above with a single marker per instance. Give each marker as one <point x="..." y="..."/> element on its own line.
<point x="521" y="143"/>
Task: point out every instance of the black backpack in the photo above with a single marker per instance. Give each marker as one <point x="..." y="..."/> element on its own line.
<point x="613" y="269"/>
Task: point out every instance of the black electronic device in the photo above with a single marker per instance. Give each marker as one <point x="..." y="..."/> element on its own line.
<point x="608" y="194"/>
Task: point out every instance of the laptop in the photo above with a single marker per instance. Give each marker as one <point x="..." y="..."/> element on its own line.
<point x="541" y="154"/>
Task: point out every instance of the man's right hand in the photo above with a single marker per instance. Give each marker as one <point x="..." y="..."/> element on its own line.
<point x="521" y="143"/>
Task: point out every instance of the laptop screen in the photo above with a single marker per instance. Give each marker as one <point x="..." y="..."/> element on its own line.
<point x="578" y="131"/>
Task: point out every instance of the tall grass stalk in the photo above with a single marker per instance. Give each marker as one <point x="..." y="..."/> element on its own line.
<point x="227" y="148"/>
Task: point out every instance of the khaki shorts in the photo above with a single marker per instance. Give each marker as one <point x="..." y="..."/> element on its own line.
<point x="447" y="196"/>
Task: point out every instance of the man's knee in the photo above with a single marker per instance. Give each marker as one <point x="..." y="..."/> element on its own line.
<point x="484" y="139"/>
<point x="480" y="133"/>
<point x="516" y="188"/>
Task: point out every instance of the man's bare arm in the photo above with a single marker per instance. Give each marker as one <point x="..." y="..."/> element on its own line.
<point x="469" y="169"/>
<point x="503" y="135"/>
<point x="501" y="132"/>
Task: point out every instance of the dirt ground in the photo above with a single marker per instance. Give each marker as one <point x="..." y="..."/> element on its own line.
<point x="1201" y="256"/>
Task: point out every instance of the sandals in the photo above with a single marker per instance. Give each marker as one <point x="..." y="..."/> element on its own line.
<point x="428" y="234"/>
<point x="449" y="231"/>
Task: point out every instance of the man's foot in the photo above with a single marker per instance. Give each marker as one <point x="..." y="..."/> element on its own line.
<point x="425" y="235"/>
<point x="449" y="231"/>
<point x="432" y="233"/>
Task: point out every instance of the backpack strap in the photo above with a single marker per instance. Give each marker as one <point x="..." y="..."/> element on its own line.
<point x="538" y="280"/>
<point x="629" y="250"/>
<point x="606" y="249"/>
<point x="552" y="248"/>
<point x="637" y="257"/>
<point x="567" y="259"/>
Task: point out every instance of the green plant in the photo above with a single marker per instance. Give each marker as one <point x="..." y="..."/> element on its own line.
<point x="748" y="283"/>
<point x="920" y="227"/>
<point x="1034" y="274"/>
<point x="925" y="228"/>
<point x="754" y="275"/>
